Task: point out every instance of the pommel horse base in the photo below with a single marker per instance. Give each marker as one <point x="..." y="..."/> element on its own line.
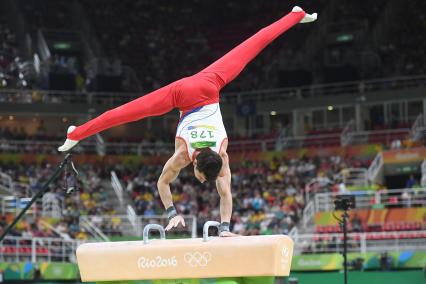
<point x="209" y="257"/>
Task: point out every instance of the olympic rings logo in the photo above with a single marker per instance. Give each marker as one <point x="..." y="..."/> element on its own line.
<point x="197" y="258"/>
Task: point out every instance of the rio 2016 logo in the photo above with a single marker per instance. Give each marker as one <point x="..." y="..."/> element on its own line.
<point x="157" y="262"/>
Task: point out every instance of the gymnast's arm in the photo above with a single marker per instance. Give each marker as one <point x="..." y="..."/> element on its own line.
<point x="223" y="185"/>
<point x="169" y="174"/>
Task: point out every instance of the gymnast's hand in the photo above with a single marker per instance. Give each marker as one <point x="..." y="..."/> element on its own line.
<point x="175" y="221"/>
<point x="227" y="234"/>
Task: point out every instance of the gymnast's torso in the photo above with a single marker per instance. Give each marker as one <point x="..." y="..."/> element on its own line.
<point x="200" y="128"/>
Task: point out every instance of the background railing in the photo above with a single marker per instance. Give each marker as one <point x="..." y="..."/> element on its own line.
<point x="119" y="226"/>
<point x="409" y="197"/>
<point x="116" y="148"/>
<point x="153" y="149"/>
<point x="346" y="135"/>
<point x="17" y="249"/>
<point x="117" y="187"/>
<point x="48" y="206"/>
<point x="356" y="177"/>
<point x="9" y="186"/>
<point x="88" y="147"/>
<point x="333" y="89"/>
<point x="418" y="129"/>
<point x="375" y="167"/>
<point x="320" y="140"/>
<point x="13" y="205"/>
<point x="360" y="242"/>
<point x="6" y="183"/>
<point x="386" y="136"/>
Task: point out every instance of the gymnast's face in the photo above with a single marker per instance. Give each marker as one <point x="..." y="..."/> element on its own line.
<point x="198" y="175"/>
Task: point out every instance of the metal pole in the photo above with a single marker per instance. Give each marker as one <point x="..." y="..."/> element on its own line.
<point x="37" y="196"/>
<point x="194" y="227"/>
<point x="33" y="250"/>
<point x="345" y="261"/>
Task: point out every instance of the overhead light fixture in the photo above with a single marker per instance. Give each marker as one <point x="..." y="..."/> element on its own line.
<point x="330" y="108"/>
<point x="273" y="112"/>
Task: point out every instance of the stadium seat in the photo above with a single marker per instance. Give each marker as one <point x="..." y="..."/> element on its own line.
<point x="369" y="237"/>
<point x="403" y="235"/>
<point x="10" y="250"/>
<point x="416" y="235"/>
<point x="42" y="251"/>
<point x="417" y="226"/>
<point x="389" y="226"/>
<point x="393" y="236"/>
<point x="406" y="227"/>
<point x="356" y="237"/>
<point x="326" y="237"/>
<point x="21" y="250"/>
<point x="318" y="229"/>
<point x="398" y="227"/>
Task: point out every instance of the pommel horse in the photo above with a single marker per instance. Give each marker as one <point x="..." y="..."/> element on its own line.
<point x="207" y="257"/>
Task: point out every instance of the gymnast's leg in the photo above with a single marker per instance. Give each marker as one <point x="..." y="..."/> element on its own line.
<point x="231" y="64"/>
<point x="164" y="99"/>
<point x="156" y="103"/>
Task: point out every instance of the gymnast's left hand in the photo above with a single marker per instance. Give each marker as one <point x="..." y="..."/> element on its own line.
<point x="227" y="234"/>
<point x="175" y="221"/>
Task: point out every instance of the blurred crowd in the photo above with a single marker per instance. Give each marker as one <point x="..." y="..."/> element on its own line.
<point x="188" y="38"/>
<point x="165" y="42"/>
<point x="197" y="38"/>
<point x="408" y="37"/>
<point x="269" y="197"/>
<point x="89" y="197"/>
<point x="12" y="68"/>
<point x="179" y="41"/>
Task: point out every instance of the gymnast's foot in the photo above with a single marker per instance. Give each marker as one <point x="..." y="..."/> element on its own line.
<point x="308" y="17"/>
<point x="68" y="143"/>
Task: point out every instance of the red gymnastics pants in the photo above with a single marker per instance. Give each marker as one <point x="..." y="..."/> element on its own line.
<point x="190" y="92"/>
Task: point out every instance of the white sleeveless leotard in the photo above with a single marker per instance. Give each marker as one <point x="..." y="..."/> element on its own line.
<point x="202" y="127"/>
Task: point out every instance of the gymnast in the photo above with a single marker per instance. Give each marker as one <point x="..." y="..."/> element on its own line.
<point x="201" y="136"/>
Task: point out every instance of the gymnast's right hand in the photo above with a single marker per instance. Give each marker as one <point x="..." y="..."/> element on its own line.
<point x="175" y="221"/>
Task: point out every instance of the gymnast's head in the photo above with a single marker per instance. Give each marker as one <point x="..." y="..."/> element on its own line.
<point x="207" y="165"/>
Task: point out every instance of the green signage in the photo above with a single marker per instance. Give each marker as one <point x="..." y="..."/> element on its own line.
<point x="314" y="262"/>
<point x="309" y="262"/>
<point x="370" y="261"/>
<point x="58" y="271"/>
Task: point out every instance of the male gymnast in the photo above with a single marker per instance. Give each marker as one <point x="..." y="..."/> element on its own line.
<point x="201" y="136"/>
